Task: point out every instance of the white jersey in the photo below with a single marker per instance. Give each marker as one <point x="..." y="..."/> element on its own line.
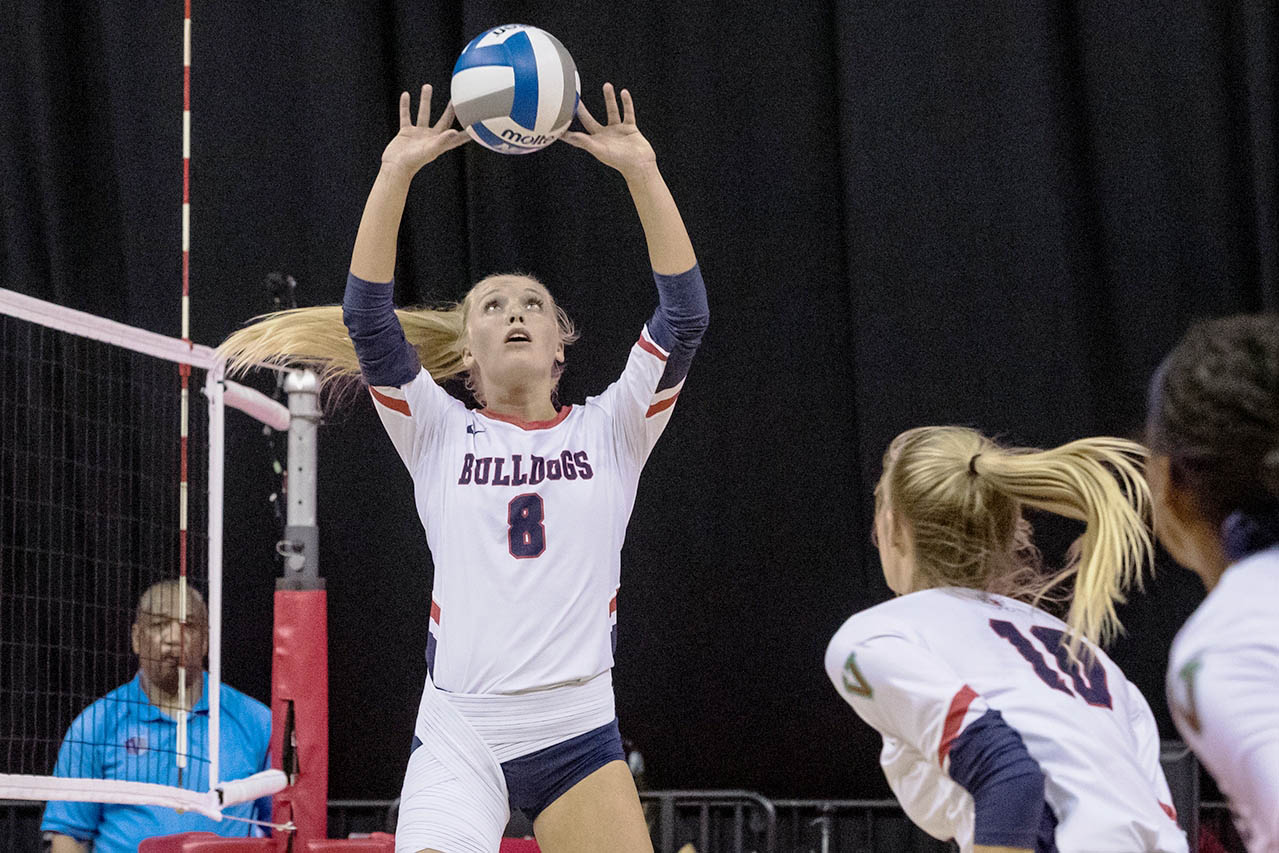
<point x="1223" y="687"/>
<point x="923" y="667"/>
<point x="525" y="522"/>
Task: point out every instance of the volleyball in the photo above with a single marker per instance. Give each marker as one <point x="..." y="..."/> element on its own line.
<point x="515" y="89"/>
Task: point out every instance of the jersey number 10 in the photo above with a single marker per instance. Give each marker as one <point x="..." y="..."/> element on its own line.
<point x="1091" y="686"/>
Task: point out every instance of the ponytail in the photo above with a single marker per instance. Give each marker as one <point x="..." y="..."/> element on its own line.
<point x="316" y="338"/>
<point x="962" y="496"/>
<point x="1100" y="482"/>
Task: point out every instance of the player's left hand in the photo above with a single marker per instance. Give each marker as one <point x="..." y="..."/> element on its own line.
<point x="619" y="143"/>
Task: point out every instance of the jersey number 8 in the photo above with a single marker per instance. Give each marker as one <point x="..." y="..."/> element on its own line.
<point x="525" y="533"/>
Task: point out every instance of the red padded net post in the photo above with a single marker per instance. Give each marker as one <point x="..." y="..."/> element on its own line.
<point x="300" y="695"/>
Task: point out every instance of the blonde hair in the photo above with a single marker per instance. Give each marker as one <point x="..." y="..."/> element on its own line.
<point x="961" y="496"/>
<point x="316" y="338"/>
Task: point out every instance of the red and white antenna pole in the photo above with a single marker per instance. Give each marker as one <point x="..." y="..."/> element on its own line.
<point x="184" y="371"/>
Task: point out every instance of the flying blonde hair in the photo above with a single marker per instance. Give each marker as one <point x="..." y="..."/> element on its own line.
<point x="316" y="338"/>
<point x="961" y="496"/>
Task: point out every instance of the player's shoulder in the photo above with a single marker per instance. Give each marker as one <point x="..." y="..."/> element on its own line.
<point x="419" y="391"/>
<point x="902" y="617"/>
<point x="1239" y="610"/>
<point x="912" y="612"/>
<point x="1250" y="584"/>
<point x="936" y="618"/>
<point x="645" y="362"/>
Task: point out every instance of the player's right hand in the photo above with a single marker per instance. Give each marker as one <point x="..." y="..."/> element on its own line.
<point x="418" y="144"/>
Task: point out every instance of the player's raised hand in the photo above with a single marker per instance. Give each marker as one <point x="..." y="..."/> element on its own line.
<point x="618" y="143"/>
<point x="418" y="144"/>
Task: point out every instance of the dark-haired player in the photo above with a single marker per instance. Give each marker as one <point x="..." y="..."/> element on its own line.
<point x="1214" y="473"/>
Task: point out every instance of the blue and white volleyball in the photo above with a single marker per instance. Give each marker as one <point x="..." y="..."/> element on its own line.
<point x="515" y="89"/>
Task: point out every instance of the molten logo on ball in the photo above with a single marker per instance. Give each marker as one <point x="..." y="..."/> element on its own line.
<point x="515" y="89"/>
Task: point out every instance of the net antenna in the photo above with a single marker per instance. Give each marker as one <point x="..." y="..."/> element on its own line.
<point x="184" y="376"/>
<point x="88" y="499"/>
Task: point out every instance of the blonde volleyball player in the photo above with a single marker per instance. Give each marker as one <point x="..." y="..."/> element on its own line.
<point x="1006" y="728"/>
<point x="1214" y="474"/>
<point x="525" y="504"/>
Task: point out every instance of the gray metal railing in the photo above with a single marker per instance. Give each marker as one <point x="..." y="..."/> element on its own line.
<point x="851" y="826"/>
<point x="1181" y="769"/>
<point x="712" y="821"/>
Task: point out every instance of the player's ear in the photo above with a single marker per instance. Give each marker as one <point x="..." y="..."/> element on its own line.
<point x="135" y="636"/>
<point x="1170" y="496"/>
<point x="895" y="529"/>
<point x="1176" y="512"/>
<point x="902" y="538"/>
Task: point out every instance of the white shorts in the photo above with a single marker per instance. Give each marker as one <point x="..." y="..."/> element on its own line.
<point x="454" y="797"/>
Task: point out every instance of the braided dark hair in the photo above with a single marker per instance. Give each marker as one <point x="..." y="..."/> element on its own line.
<point x="1214" y="411"/>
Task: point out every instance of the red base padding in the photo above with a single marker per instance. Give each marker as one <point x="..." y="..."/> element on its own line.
<point x="207" y="842"/>
<point x="378" y="842"/>
<point x="519" y="845"/>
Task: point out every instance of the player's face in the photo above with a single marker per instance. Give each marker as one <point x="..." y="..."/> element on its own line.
<point x="163" y="645"/>
<point x="895" y="553"/>
<point x="513" y="339"/>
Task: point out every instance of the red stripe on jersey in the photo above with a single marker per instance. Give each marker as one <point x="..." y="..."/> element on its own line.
<point x="555" y="421"/>
<point x="954" y="719"/>
<point x="401" y="406"/>
<point x="649" y="347"/>
<point x="612" y="606"/>
<point x="435" y="612"/>
<point x="661" y="406"/>
<point x="1169" y="810"/>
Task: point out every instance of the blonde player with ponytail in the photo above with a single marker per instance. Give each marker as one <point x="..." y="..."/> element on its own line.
<point x="1005" y="727"/>
<point x="524" y="502"/>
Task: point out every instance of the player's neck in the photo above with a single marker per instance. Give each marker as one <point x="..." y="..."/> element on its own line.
<point x="523" y="404"/>
<point x="169" y="702"/>
<point x="1207" y="553"/>
<point x="1212" y="568"/>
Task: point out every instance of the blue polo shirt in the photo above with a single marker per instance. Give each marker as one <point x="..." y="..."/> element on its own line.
<point x="123" y="736"/>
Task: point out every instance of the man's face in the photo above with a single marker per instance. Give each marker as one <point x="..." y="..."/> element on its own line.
<point x="163" y="644"/>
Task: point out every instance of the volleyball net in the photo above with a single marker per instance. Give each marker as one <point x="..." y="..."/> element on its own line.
<point x="111" y="561"/>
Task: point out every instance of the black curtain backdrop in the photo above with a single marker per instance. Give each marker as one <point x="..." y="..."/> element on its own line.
<point x="999" y="215"/>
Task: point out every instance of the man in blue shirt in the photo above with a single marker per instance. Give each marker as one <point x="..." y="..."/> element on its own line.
<point x="131" y="734"/>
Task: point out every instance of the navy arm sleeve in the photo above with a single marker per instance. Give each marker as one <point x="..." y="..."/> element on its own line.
<point x="368" y="310"/>
<point x="679" y="322"/>
<point x="991" y="762"/>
